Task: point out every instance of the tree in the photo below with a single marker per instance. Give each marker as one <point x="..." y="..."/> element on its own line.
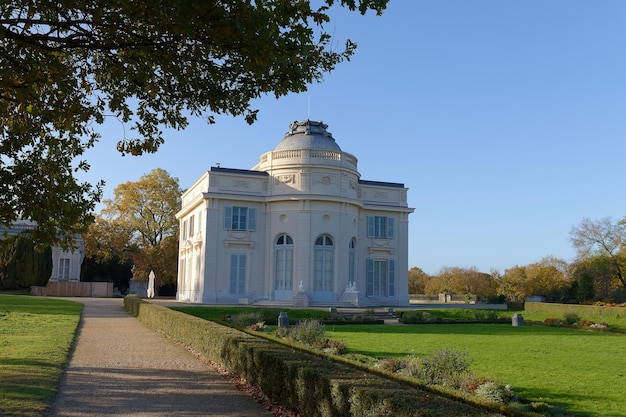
<point x="512" y="284"/>
<point x="146" y="208"/>
<point x="66" y="65"/>
<point x="417" y="280"/>
<point x="21" y="265"/>
<point x="463" y="281"/>
<point x="162" y="259"/>
<point x="602" y="237"/>
<point x="549" y="277"/>
<point x="595" y="277"/>
<point x="139" y="223"/>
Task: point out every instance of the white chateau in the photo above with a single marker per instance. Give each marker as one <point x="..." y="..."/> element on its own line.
<point x="299" y="228"/>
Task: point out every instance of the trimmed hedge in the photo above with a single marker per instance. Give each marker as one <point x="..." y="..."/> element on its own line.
<point x="313" y="385"/>
<point x="581" y="310"/>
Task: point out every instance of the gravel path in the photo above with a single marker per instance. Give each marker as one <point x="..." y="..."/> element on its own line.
<point x="119" y="367"/>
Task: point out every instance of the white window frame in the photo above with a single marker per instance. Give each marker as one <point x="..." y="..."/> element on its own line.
<point x="233" y="218"/>
<point x="381" y="277"/>
<point x="65" y="265"/>
<point x="283" y="263"/>
<point x="352" y="262"/>
<point x="380" y="227"/>
<point x="324" y="264"/>
<point x="237" y="273"/>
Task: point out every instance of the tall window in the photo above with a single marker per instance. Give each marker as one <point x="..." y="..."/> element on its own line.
<point x="283" y="279"/>
<point x="352" y="261"/>
<point x="64" y="269"/>
<point x="380" y="227"/>
<point x="191" y="226"/>
<point x="239" y="218"/>
<point x="381" y="280"/>
<point x="324" y="264"/>
<point x="238" y="270"/>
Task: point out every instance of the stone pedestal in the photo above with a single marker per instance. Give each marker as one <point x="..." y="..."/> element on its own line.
<point x="301" y="300"/>
<point x="351" y="297"/>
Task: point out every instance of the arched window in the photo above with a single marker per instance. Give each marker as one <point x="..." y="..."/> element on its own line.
<point x="283" y="268"/>
<point x="324" y="264"/>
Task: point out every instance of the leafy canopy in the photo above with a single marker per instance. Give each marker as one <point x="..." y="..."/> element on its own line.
<point x="141" y="215"/>
<point x="602" y="237"/>
<point x="139" y="223"/>
<point x="66" y="65"/>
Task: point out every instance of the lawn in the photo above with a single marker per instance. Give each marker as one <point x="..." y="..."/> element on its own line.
<point x="36" y="336"/>
<point x="581" y="371"/>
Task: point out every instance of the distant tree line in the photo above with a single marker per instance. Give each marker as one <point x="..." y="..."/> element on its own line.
<point x="597" y="273"/>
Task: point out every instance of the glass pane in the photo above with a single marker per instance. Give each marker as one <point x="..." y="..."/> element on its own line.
<point x="288" y="269"/>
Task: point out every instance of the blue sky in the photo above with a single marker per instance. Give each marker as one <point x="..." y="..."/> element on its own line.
<point x="505" y="119"/>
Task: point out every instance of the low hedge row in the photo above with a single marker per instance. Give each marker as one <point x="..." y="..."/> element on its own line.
<point x="581" y="310"/>
<point x="315" y="386"/>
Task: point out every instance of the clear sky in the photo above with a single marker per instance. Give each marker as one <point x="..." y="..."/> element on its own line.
<point x="505" y="119"/>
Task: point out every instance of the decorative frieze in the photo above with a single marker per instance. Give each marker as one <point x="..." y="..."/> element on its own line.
<point x="285" y="179"/>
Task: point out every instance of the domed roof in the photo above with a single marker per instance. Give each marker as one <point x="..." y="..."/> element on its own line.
<point x="308" y="135"/>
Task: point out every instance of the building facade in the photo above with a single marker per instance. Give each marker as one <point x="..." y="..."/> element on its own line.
<point x="300" y="228"/>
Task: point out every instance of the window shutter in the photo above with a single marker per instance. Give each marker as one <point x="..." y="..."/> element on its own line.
<point x="392" y="278"/>
<point x="370" y="277"/>
<point x="228" y="218"/>
<point x="251" y="219"/>
<point x="243" y="267"/>
<point x="390" y="222"/>
<point x="233" y="273"/>
<point x="370" y="226"/>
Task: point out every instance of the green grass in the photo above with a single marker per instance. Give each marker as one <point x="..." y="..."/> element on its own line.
<point x="581" y="371"/>
<point x="36" y="336"/>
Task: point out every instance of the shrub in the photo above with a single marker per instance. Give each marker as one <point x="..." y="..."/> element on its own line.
<point x="258" y="327"/>
<point x="308" y="332"/>
<point x="412" y="317"/>
<point x="571" y="318"/>
<point x="494" y="392"/>
<point x="485" y="315"/>
<point x="335" y="347"/>
<point x="281" y="332"/>
<point x="443" y="367"/>
<point x="392" y="365"/>
<point x="246" y="319"/>
<point x="552" y="321"/>
<point x="471" y="383"/>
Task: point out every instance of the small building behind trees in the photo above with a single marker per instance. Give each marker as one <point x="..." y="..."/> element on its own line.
<point x="65" y="264"/>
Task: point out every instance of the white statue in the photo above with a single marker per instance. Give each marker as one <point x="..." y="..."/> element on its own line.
<point x="301" y="287"/>
<point x="151" y="285"/>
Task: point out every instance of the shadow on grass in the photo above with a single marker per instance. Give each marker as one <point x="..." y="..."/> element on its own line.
<point x="565" y="401"/>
